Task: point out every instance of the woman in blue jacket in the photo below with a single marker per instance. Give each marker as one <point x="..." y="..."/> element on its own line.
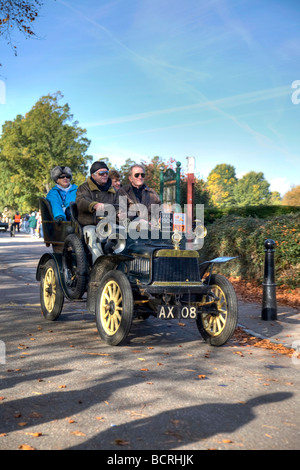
<point x="62" y="193"/>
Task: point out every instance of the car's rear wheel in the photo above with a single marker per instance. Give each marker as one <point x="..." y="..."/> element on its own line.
<point x="74" y="267"/>
<point x="218" y="320"/>
<point x="114" y="308"/>
<point x="51" y="294"/>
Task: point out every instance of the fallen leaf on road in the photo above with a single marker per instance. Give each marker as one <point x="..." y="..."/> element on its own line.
<point x="121" y="442"/>
<point x="26" y="447"/>
<point x="174" y="434"/>
<point x="34" y="414"/>
<point x="78" y="433"/>
<point x="239" y="353"/>
<point x="97" y="354"/>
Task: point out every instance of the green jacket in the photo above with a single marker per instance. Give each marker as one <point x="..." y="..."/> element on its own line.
<point x="32" y="221"/>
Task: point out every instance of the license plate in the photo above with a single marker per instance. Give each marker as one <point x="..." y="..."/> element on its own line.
<point x="169" y="312"/>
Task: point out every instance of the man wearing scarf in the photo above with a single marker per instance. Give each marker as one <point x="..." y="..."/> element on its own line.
<point x="62" y="193"/>
<point x="96" y="191"/>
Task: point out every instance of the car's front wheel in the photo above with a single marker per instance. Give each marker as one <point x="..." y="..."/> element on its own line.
<point x="51" y="294"/>
<point x="114" y="308"/>
<point x="218" y="319"/>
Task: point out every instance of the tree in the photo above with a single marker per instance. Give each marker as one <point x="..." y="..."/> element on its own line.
<point x="220" y="184"/>
<point x="276" y="199"/>
<point x="252" y="190"/>
<point x="153" y="169"/>
<point x="201" y="195"/>
<point x="292" y="197"/>
<point x="31" y="145"/>
<point x="18" y="14"/>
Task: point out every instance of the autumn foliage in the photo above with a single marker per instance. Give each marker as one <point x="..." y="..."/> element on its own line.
<point x="245" y="237"/>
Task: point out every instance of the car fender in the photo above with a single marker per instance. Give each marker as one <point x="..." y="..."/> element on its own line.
<point x="101" y="266"/>
<point x="203" y="267"/>
<point x="57" y="258"/>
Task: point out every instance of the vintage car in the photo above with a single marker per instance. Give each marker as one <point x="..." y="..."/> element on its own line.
<point x="3" y="226"/>
<point x="124" y="277"/>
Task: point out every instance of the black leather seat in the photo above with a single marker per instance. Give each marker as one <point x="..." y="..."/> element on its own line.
<point x="74" y="218"/>
<point x="54" y="232"/>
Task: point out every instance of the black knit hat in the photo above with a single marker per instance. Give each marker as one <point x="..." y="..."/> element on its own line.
<point x="98" y="166"/>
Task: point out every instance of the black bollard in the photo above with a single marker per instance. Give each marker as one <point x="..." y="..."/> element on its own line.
<point x="269" y="305"/>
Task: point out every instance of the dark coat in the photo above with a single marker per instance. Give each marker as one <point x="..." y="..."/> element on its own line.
<point x="149" y="196"/>
<point x="88" y="195"/>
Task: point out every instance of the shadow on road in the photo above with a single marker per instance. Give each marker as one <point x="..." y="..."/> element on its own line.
<point x="166" y="430"/>
<point x="173" y="428"/>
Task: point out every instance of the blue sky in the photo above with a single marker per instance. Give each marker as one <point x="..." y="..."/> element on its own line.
<point x="210" y="79"/>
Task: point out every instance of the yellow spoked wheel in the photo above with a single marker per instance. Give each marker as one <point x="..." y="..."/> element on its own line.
<point x="114" y="308"/>
<point x="50" y="289"/>
<point x="111" y="307"/>
<point x="51" y="294"/>
<point x="218" y="320"/>
<point x="214" y="323"/>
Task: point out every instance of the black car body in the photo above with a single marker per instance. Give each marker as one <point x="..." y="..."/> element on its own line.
<point x="3" y="226"/>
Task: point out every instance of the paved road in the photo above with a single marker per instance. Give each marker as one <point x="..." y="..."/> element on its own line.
<point x="62" y="388"/>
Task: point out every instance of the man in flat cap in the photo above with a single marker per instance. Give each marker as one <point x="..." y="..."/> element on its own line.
<point x="96" y="191"/>
<point x="62" y="193"/>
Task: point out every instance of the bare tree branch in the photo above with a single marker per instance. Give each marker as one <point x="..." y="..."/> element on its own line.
<point x="18" y="15"/>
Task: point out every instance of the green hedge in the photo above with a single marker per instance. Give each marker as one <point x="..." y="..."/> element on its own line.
<point x="261" y="212"/>
<point x="244" y="237"/>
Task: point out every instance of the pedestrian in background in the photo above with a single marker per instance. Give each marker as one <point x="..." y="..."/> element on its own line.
<point x="15" y="223"/>
<point x="32" y="224"/>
